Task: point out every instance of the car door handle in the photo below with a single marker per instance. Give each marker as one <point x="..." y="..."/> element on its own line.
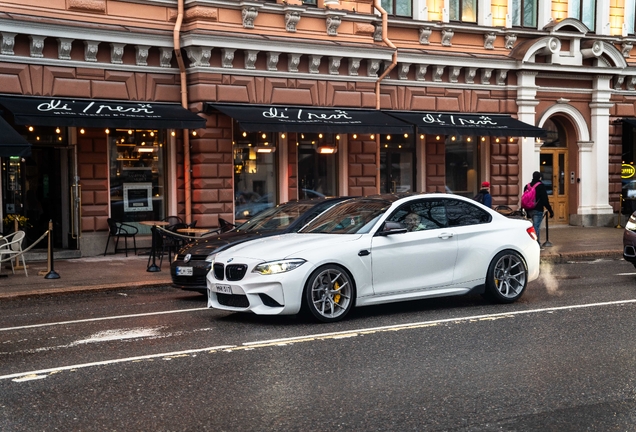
<point x="364" y="252"/>
<point x="446" y="235"/>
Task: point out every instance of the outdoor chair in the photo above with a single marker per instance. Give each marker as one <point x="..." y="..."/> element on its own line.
<point x="10" y="247"/>
<point x="171" y="241"/>
<point x="120" y="229"/>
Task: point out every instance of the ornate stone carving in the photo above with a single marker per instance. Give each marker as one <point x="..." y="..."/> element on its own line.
<point x="333" y="22"/>
<point x="486" y="74"/>
<point x="420" y="72"/>
<point x="291" y="20"/>
<point x="90" y="51"/>
<point x="199" y="56"/>
<point x="511" y="39"/>
<point x="314" y="64"/>
<point x="471" y="73"/>
<point x="618" y="82"/>
<point x="293" y="60"/>
<point x="373" y="66"/>
<point x="626" y="48"/>
<point x="141" y="55"/>
<point x="165" y="57"/>
<point x="334" y="65"/>
<point x="447" y="36"/>
<point x="249" y="14"/>
<point x="8" y="41"/>
<point x="64" y="46"/>
<point x="117" y="53"/>
<point x="227" y="57"/>
<point x="453" y="76"/>
<point x="425" y="34"/>
<point x="354" y="66"/>
<point x="501" y="77"/>
<point x="631" y="83"/>
<point x="403" y="70"/>
<point x="438" y="72"/>
<point x="377" y="34"/>
<point x="36" y="46"/>
<point x="250" y="59"/>
<point x="272" y="61"/>
<point x="489" y="40"/>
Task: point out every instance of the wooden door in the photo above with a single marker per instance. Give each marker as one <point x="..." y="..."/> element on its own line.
<point x="554" y="169"/>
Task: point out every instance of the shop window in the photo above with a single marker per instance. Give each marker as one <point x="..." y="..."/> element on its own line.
<point x="255" y="179"/>
<point x="585" y="11"/>
<point x="317" y="164"/>
<point x="400" y="8"/>
<point x="137" y="175"/>
<point x="524" y="13"/>
<point x="462" y="165"/>
<point x="397" y="163"/>
<point x="463" y="10"/>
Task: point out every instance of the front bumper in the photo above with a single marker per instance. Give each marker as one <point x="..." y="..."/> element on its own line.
<point x="200" y="269"/>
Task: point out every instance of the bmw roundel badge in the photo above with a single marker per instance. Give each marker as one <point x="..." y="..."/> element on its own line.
<point x="230" y="260"/>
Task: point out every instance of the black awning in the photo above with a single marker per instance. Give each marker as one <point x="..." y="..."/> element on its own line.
<point x="253" y="118"/>
<point x="468" y="124"/>
<point x="11" y="142"/>
<point x="53" y="111"/>
<point x="630" y="121"/>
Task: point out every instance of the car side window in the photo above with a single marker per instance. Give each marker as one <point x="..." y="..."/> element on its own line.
<point x="425" y="214"/>
<point x="462" y="213"/>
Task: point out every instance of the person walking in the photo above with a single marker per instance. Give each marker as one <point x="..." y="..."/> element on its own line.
<point x="541" y="200"/>
<point x="483" y="196"/>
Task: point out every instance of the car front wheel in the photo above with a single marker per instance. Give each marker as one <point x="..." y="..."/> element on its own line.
<point x="507" y="277"/>
<point x="329" y="293"/>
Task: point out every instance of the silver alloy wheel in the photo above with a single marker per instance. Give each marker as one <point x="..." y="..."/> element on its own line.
<point x="510" y="276"/>
<point x="330" y="293"/>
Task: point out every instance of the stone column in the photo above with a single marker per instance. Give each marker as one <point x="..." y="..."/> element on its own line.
<point x="526" y="103"/>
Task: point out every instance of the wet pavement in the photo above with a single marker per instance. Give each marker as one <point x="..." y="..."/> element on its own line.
<point x="114" y="272"/>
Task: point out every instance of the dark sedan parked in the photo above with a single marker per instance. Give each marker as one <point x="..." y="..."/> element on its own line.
<point x="192" y="263"/>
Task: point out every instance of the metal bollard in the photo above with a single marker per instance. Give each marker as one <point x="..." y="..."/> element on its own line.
<point x="547" y="231"/>
<point x="52" y="274"/>
<point x="620" y="210"/>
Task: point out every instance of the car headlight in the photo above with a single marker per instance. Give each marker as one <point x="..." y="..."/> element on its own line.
<point x="281" y="266"/>
<point x="210" y="258"/>
<point x="631" y="224"/>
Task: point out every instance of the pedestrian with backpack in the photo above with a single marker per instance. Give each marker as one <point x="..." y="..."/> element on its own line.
<point x="483" y="196"/>
<point x="534" y="200"/>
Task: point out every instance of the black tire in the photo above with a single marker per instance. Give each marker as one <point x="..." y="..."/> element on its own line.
<point x="329" y="293"/>
<point x="507" y="277"/>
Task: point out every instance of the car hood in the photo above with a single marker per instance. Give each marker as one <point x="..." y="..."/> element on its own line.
<point x="285" y="246"/>
<point x="222" y="241"/>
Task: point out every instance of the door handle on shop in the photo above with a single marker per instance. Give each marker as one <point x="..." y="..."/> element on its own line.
<point x="446" y="235"/>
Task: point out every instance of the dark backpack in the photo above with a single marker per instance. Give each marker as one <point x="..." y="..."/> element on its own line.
<point x="529" y="197"/>
<point x="479" y="197"/>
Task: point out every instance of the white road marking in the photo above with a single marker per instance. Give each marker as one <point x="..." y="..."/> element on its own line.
<point x="20" y="376"/>
<point x="625" y="274"/>
<point x="102" y="319"/>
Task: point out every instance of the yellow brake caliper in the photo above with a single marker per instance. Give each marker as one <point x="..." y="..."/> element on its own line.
<point x="336" y="287"/>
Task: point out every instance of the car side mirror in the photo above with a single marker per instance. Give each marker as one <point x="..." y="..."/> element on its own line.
<point x="390" y="228"/>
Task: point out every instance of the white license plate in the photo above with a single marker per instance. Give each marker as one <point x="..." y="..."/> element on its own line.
<point x="223" y="289"/>
<point x="184" y="271"/>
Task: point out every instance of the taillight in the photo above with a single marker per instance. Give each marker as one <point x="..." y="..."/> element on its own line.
<point x="532" y="233"/>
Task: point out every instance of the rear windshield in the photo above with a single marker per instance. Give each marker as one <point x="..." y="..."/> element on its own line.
<point x="275" y="218"/>
<point x="352" y="217"/>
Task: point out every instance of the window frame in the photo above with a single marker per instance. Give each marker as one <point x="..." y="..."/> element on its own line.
<point x="393" y="13"/>
<point x="460" y="12"/>
<point x="521" y="4"/>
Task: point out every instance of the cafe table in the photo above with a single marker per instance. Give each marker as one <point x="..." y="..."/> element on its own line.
<point x="153" y="249"/>
<point x="197" y="232"/>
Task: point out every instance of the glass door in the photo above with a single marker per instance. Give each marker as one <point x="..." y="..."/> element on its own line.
<point x="553" y="169"/>
<point x="397" y="164"/>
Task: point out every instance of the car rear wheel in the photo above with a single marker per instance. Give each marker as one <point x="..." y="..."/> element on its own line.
<point x="329" y="293"/>
<point x="507" y="277"/>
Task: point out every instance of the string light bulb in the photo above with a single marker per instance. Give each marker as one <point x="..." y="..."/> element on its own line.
<point x="57" y="130"/>
<point x="82" y="131"/>
<point x="107" y="131"/>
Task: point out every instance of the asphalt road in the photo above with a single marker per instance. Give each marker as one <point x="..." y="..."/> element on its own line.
<point x="563" y="358"/>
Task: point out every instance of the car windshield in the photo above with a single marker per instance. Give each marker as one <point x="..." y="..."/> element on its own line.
<point x="275" y="218"/>
<point x="352" y="217"/>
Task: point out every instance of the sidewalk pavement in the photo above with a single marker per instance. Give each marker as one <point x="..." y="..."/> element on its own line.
<point x="118" y="272"/>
